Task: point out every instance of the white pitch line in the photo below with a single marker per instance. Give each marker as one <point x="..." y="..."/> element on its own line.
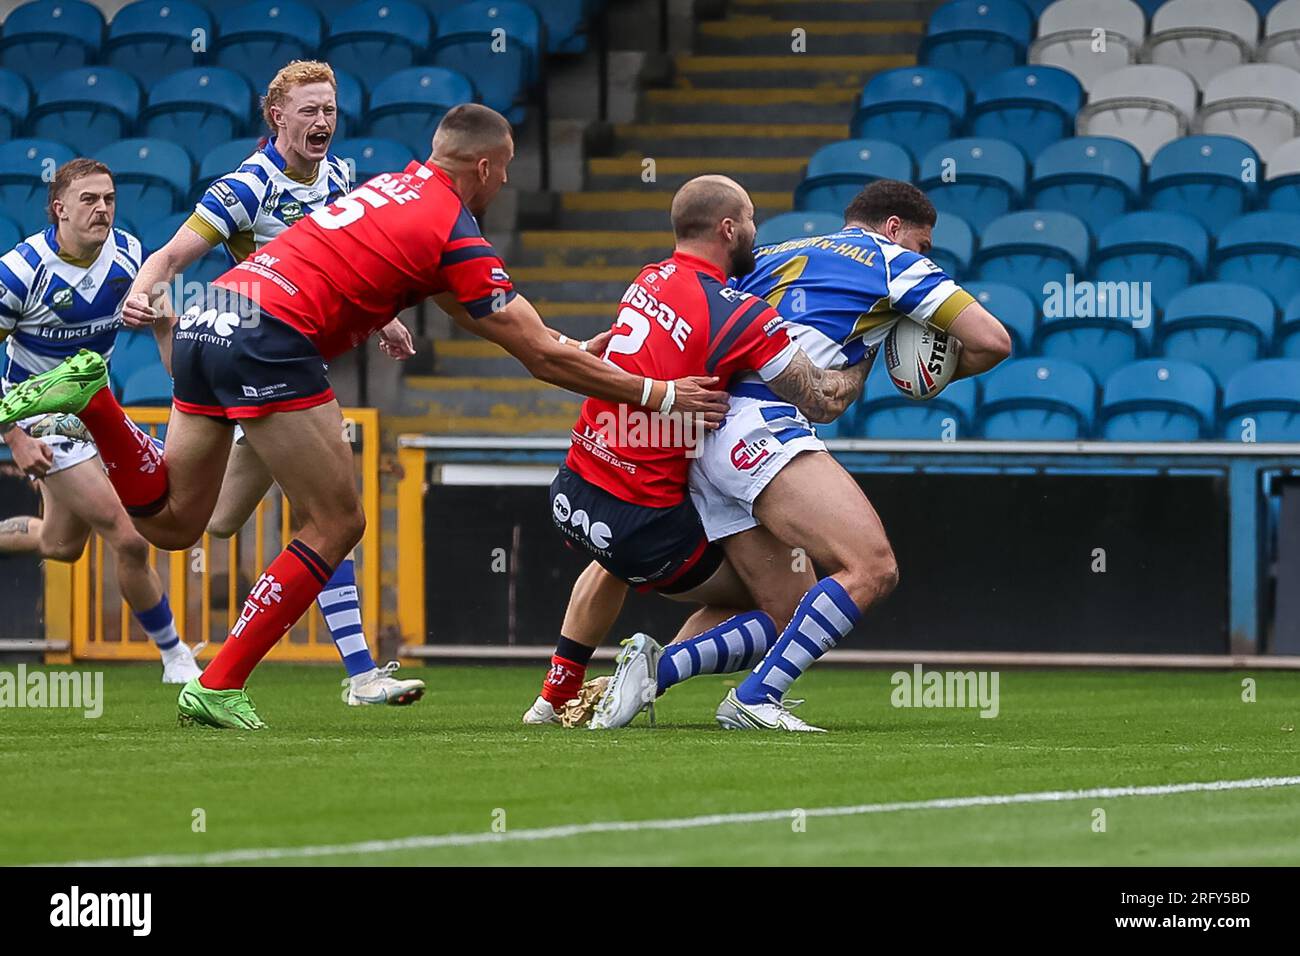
<point x="435" y="841"/>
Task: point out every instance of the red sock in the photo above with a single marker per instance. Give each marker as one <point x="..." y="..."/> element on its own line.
<point x="563" y="681"/>
<point x="281" y="595"/>
<point x="135" y="465"/>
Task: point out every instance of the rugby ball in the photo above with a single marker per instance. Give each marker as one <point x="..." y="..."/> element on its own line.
<point x="920" y="361"/>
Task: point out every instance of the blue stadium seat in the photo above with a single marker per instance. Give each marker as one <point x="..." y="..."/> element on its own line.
<point x="152" y="38"/>
<point x="1031" y="106"/>
<point x="24" y="188"/>
<point x="1014" y="309"/>
<point x="1100" y="343"/>
<point x="152" y="176"/>
<point x="1221" y="326"/>
<point x="1202" y="177"/>
<point x="370" y="157"/>
<point x="156" y="233"/>
<point x="376" y="38"/>
<point x="1266" y="393"/>
<point x="952" y="245"/>
<point x="1032" y="248"/>
<point x="259" y="38"/>
<point x="150" y="385"/>
<point x="1261" y="249"/>
<point x="50" y="36"/>
<point x="1159" y="400"/>
<point x="351" y="100"/>
<point x="566" y="24"/>
<point x="1164" y="248"/>
<point x="465" y="42"/>
<point x="10" y="234"/>
<point x="134" y="350"/>
<point x="87" y="108"/>
<point x="975" y="38"/>
<point x="1096" y="178"/>
<point x="221" y="160"/>
<point x="887" y="413"/>
<point x="407" y="106"/>
<point x="1038" y="399"/>
<point x="198" y="106"/>
<point x="977" y="179"/>
<point x="837" y="172"/>
<point x="15" y="101"/>
<point x="1288" y="330"/>
<point x="917" y="107"/>
<point x="797" y="225"/>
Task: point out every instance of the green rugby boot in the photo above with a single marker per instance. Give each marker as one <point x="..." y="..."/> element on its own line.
<point x="68" y="387"/>
<point x="232" y="709"/>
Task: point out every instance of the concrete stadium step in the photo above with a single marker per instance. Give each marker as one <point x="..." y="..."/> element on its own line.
<point x="814" y="10"/>
<point x="464" y="358"/>
<point x="762" y="173"/>
<point x="590" y="247"/>
<point x="757" y="35"/>
<point x="578" y="319"/>
<point x="725" y="139"/>
<point x="792" y="70"/>
<point x="490" y="404"/>
<point x="643" y="209"/>
<point x="826" y="104"/>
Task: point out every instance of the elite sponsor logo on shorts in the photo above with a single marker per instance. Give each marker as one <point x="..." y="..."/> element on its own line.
<point x="598" y="534"/>
<point x="746" y="455"/>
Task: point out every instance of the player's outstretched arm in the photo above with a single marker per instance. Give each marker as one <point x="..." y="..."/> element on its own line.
<point x="984" y="340"/>
<point x="155" y="276"/>
<point x="821" y="394"/>
<point x="518" y="329"/>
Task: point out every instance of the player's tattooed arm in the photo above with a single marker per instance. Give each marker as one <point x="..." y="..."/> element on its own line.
<point x="821" y="394"/>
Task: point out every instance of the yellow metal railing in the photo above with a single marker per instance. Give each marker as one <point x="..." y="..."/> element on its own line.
<point x="206" y="584"/>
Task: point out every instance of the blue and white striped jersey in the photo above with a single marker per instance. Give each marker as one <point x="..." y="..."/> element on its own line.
<point x="246" y="209"/>
<point x="51" y="308"/>
<point x="840" y="294"/>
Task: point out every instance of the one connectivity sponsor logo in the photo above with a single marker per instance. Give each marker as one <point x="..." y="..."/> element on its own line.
<point x="920" y="688"/>
<point x="70" y="690"/>
<point x="1098" y="300"/>
<point x="78" y="909"/>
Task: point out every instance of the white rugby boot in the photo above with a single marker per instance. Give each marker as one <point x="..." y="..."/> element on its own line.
<point x="633" y="687"/>
<point x="179" y="664"/>
<point x="379" y="686"/>
<point x="772" y="714"/>
<point x="541" y="713"/>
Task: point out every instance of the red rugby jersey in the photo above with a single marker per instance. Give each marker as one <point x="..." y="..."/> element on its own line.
<point x="678" y="318"/>
<point x="347" y="270"/>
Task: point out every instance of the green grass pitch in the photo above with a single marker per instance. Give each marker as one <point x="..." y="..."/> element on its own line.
<point x="129" y="783"/>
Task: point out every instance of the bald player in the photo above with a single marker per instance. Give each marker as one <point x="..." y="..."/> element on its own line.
<point x="622" y="494"/>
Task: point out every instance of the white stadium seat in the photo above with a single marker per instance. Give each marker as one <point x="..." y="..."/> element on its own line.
<point x="1066" y="37"/>
<point x="1146" y="105"/>
<point x="1203" y="37"/>
<point x="1256" y="102"/>
<point x="1285" y="160"/>
<point x="1282" y="35"/>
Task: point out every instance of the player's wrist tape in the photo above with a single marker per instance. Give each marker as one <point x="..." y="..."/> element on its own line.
<point x="670" y="398"/>
<point x="647" y="386"/>
<point x="564" y="339"/>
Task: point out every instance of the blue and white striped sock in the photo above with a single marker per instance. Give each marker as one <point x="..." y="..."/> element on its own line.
<point x="338" y="602"/>
<point x="733" y="645"/>
<point x="159" y="624"/>
<point x="825" y="615"/>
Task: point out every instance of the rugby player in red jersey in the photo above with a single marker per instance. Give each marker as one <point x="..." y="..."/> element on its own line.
<point x="622" y="494"/>
<point x="256" y="355"/>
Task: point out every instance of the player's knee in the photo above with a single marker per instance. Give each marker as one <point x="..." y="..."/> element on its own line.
<point x="64" y="551"/>
<point x="221" y="526"/>
<point x="873" y="576"/>
<point x="131" y="550"/>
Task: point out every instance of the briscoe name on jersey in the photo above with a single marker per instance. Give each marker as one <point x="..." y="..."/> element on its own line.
<point x="248" y="208"/>
<point x="839" y="294"/>
<point x="52" y="308"/>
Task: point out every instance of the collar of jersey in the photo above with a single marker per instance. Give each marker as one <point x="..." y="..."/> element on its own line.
<point x="73" y="274"/>
<point x="699" y="265"/>
<point x="438" y="174"/>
